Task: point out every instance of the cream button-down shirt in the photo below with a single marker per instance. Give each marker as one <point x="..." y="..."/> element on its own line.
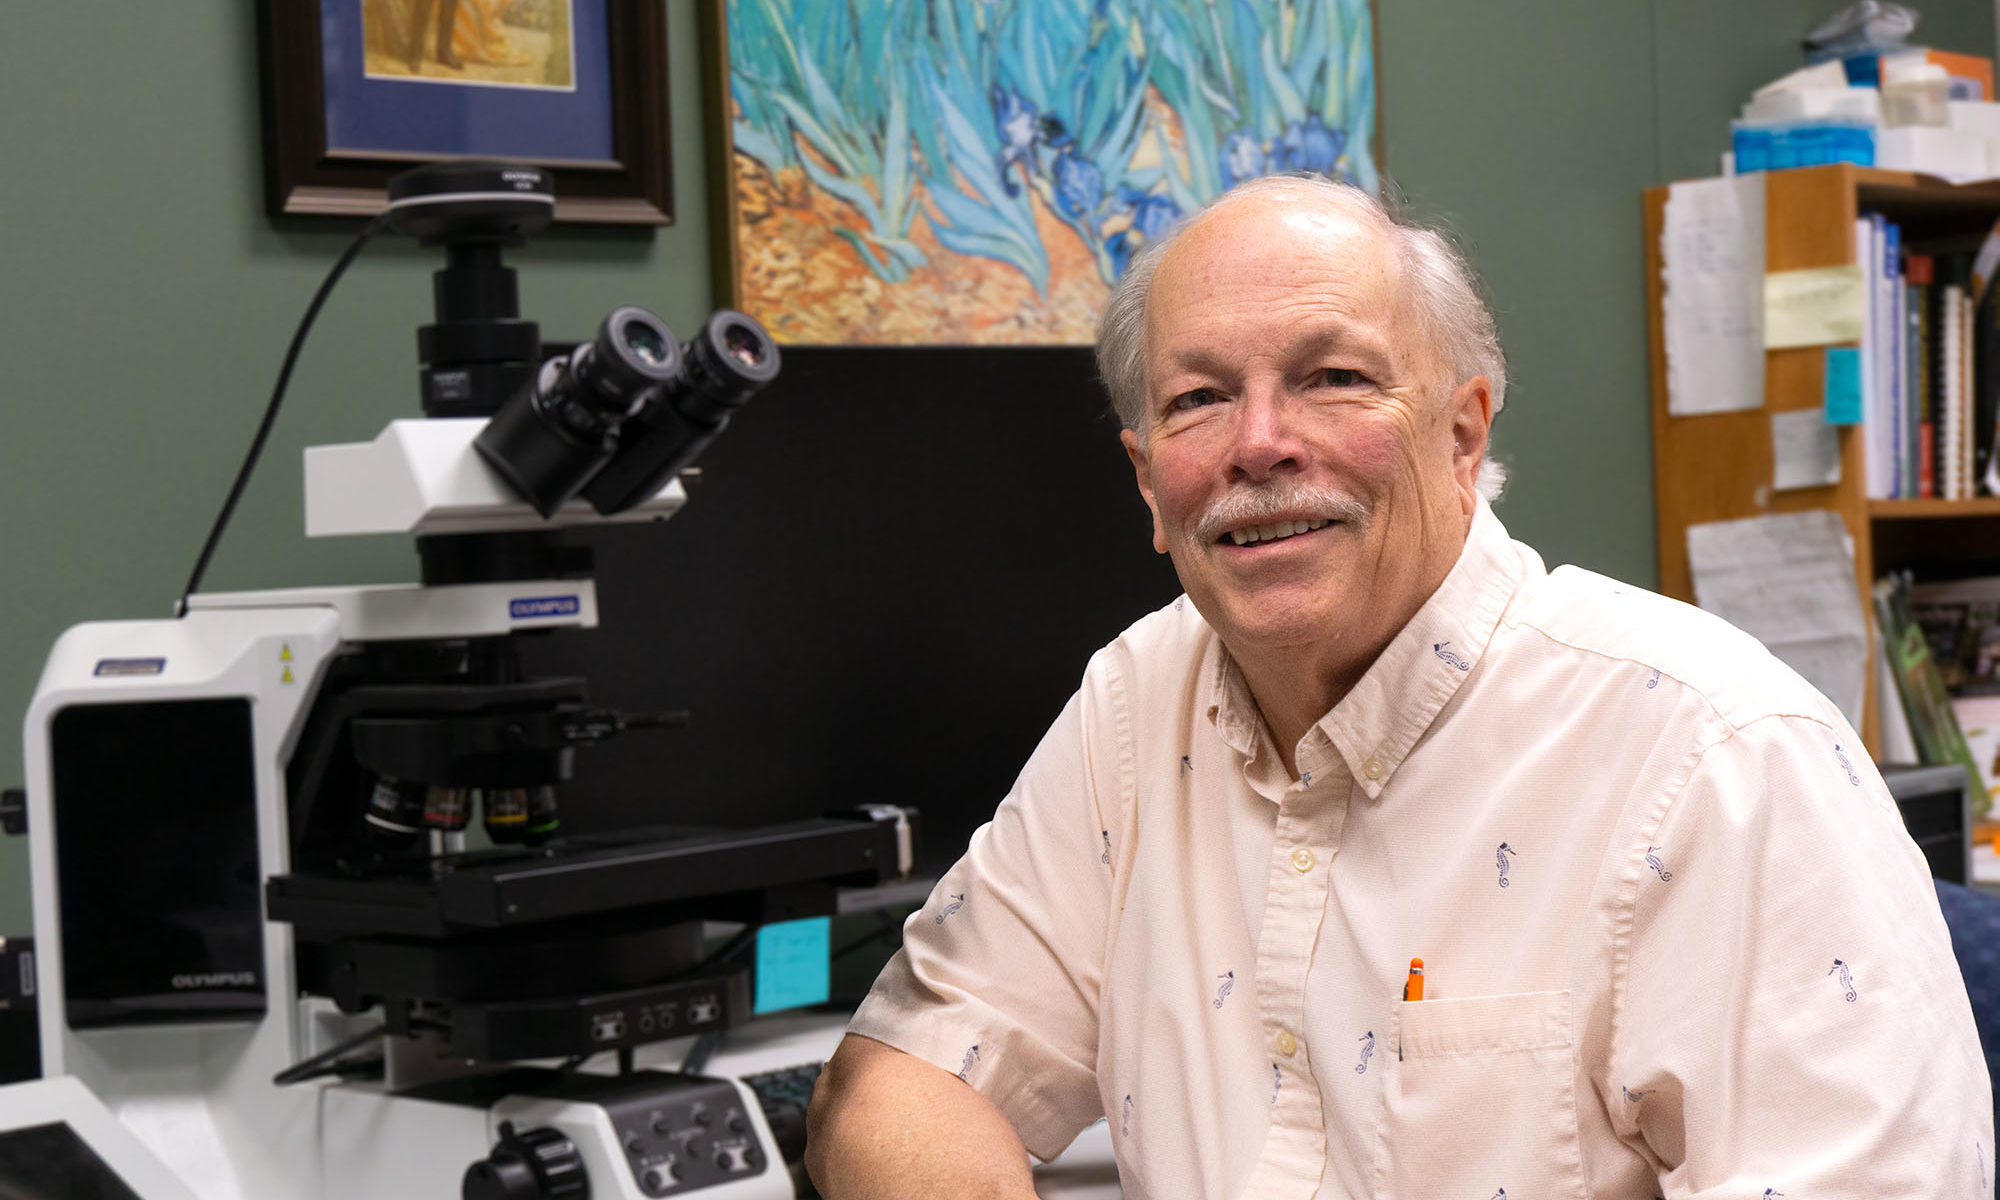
<point x="1676" y="940"/>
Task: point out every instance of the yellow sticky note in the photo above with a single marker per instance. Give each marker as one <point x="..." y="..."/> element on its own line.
<point x="1817" y="307"/>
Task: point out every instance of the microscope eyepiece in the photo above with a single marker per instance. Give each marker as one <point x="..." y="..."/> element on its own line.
<point x="728" y="361"/>
<point x="550" y="437"/>
<point x="646" y="339"/>
<point x="720" y="369"/>
<point x="633" y="355"/>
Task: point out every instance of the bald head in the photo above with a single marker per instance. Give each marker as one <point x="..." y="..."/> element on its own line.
<point x="1435" y="288"/>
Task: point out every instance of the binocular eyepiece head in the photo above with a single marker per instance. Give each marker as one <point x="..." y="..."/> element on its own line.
<point x="619" y="416"/>
<point x="615" y="418"/>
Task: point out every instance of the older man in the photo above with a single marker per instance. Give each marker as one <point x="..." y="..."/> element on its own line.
<point x="1675" y="940"/>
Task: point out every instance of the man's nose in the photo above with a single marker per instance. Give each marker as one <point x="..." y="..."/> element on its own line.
<point x="1268" y="437"/>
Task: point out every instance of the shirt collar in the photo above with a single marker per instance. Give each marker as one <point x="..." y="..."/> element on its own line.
<point x="1375" y="725"/>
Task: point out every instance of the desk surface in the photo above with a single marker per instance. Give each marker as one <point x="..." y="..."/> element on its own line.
<point x="1086" y="1171"/>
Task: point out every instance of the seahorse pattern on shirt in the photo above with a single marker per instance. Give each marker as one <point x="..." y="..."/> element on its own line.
<point x="1846" y="765"/>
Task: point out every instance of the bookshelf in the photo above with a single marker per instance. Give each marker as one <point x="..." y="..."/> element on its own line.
<point x="1717" y="467"/>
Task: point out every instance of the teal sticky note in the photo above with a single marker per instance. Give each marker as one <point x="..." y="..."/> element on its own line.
<point x="794" y="964"/>
<point x="1843" y="385"/>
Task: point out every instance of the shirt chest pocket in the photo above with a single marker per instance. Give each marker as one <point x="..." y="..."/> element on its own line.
<point x="1481" y="1102"/>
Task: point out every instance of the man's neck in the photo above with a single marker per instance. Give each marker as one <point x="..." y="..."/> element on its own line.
<point x="1292" y="696"/>
<point x="1296" y="686"/>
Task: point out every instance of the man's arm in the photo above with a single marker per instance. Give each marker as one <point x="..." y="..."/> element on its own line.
<point x="884" y="1125"/>
<point x="1792" y="1019"/>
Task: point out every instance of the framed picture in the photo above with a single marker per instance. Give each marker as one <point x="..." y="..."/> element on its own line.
<point x="981" y="171"/>
<point x="356" y="90"/>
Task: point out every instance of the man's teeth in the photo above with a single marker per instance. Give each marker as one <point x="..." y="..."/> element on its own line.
<point x="1274" y="532"/>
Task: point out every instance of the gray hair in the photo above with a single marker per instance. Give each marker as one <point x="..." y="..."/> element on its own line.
<point x="1443" y="292"/>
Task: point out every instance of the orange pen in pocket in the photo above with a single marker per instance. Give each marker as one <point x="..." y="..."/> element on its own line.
<point x="1414" y="989"/>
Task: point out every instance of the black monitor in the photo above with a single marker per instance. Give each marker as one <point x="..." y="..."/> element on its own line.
<point x="1936" y="807"/>
<point x="887" y="582"/>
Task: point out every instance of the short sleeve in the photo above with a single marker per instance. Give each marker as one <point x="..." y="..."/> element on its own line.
<point x="999" y="975"/>
<point x="1791" y="1020"/>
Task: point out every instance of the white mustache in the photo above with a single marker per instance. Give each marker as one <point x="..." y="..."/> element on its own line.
<point x="1262" y="504"/>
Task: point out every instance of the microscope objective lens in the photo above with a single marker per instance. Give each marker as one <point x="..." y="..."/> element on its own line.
<point x="446" y="808"/>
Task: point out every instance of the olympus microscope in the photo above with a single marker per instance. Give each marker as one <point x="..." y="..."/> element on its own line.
<point x="264" y="942"/>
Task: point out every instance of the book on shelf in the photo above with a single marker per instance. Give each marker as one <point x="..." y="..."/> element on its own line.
<point x="1930" y="367"/>
<point x="1961" y="623"/>
<point x="1979" y="719"/>
<point x="1920" y="685"/>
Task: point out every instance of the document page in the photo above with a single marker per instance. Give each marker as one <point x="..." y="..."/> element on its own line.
<point x="1712" y="307"/>
<point x="1788" y="581"/>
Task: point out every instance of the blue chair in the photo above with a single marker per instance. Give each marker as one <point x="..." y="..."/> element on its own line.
<point x="1974" y="920"/>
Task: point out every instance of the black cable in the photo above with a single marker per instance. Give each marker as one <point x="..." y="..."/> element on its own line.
<point x="319" y="1064"/>
<point x="704" y="1048"/>
<point x="271" y="410"/>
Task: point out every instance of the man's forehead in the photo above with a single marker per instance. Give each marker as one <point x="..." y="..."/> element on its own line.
<point x="1285" y="231"/>
<point x="1310" y="259"/>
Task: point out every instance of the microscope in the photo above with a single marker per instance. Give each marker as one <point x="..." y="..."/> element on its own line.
<point x="265" y="938"/>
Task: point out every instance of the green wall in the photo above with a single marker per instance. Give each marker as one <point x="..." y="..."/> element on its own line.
<point x="147" y="299"/>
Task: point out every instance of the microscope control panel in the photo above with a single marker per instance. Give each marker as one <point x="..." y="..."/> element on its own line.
<point x="673" y="1134"/>
<point x="690" y="1138"/>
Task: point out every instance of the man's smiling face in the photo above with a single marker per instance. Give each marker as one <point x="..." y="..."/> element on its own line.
<point x="1305" y="456"/>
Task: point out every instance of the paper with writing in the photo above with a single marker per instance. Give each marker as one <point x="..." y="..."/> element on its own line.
<point x="1712" y="301"/>
<point x="1788" y="581"/>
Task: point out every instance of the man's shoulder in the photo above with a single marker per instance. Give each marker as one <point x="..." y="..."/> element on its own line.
<point x="1173" y="639"/>
<point x="1600" y="617"/>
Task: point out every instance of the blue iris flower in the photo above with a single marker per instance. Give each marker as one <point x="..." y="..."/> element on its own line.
<point x="1241" y="158"/>
<point x="1014" y="117"/>
<point x="1152" y="215"/>
<point x="1079" y="186"/>
<point x="1312" y="146"/>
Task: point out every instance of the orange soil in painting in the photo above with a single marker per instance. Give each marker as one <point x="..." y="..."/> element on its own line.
<point x="808" y="285"/>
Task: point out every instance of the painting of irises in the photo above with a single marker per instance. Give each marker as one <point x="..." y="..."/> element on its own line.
<point x="982" y="171"/>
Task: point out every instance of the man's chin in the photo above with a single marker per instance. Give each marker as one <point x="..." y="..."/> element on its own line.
<point x="1272" y="619"/>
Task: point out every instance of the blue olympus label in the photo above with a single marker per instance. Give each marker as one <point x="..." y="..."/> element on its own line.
<point x="529" y="607"/>
<point x="130" y="666"/>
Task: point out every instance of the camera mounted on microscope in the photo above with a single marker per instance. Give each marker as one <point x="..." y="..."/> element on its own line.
<point x="615" y="418"/>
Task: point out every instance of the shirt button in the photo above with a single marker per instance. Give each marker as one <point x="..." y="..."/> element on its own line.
<point x="1372" y="768"/>
<point x="1302" y="858"/>
<point x="1287" y="1044"/>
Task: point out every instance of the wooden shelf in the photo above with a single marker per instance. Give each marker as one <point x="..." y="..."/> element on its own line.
<point x="1717" y="467"/>
<point x="1923" y="510"/>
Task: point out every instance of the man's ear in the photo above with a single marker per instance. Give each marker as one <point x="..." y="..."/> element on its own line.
<point x="1471" y="416"/>
<point x="1143" y="468"/>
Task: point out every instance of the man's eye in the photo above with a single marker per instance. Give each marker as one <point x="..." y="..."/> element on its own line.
<point x="1342" y="377"/>
<point x="1197" y="398"/>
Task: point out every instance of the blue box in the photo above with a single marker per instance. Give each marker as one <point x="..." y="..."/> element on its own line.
<point x="1778" y="147"/>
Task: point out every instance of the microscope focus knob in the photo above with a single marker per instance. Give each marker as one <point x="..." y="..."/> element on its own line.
<point x="537" y="1164"/>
